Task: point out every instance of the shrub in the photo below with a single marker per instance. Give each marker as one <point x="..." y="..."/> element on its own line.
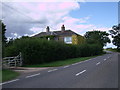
<point x="36" y="50"/>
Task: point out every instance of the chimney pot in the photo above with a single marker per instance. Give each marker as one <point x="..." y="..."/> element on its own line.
<point x="47" y="29"/>
<point x="63" y="28"/>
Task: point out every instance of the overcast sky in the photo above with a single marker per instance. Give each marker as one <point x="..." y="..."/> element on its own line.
<point x="30" y="18"/>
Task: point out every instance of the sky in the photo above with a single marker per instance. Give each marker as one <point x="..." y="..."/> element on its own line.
<point x="30" y="18"/>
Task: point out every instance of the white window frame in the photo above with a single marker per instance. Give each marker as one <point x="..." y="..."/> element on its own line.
<point x="48" y="39"/>
<point x="68" y="40"/>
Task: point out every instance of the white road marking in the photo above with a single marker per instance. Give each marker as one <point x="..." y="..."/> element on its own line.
<point x="32" y="75"/>
<point x="98" y="63"/>
<point x="52" y="70"/>
<point x="9" y="81"/>
<point x="105" y="59"/>
<point x="80" y="72"/>
<point x="66" y="66"/>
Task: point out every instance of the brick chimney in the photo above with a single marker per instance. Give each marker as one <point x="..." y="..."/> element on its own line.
<point x="47" y="29"/>
<point x="63" y="28"/>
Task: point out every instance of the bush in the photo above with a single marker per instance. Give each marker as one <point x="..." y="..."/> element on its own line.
<point x="36" y="50"/>
<point x="86" y="50"/>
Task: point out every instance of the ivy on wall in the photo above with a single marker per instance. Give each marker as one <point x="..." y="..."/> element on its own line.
<point x="78" y="39"/>
<point x="48" y="36"/>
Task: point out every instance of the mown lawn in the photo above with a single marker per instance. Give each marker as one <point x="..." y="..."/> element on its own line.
<point x="8" y="75"/>
<point x="61" y="63"/>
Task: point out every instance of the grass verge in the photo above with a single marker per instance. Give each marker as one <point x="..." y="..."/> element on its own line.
<point x="113" y="50"/>
<point x="8" y="75"/>
<point x="0" y="76"/>
<point x="61" y="63"/>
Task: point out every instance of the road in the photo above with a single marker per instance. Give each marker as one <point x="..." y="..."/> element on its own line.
<point x="99" y="72"/>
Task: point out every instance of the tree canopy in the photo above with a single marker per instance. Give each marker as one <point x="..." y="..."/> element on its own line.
<point x="4" y="39"/>
<point x="97" y="37"/>
<point x="115" y="32"/>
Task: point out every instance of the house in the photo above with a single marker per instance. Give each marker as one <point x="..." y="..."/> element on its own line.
<point x="66" y="36"/>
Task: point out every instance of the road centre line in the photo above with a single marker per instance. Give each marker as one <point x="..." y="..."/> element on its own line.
<point x="9" y="81"/>
<point x="52" y="70"/>
<point x="105" y="59"/>
<point x="32" y="75"/>
<point x="98" y="63"/>
<point x="66" y="66"/>
<point x="80" y="72"/>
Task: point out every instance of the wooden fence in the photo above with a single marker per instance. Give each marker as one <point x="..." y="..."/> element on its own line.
<point x="12" y="61"/>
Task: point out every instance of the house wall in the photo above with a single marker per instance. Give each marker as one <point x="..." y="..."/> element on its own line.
<point x="61" y="38"/>
<point x="78" y="39"/>
<point x="56" y="38"/>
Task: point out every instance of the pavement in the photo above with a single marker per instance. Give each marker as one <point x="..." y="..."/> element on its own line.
<point x="98" y="72"/>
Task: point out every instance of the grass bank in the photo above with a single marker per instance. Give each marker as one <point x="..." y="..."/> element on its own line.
<point x="113" y="50"/>
<point x="8" y="75"/>
<point x="61" y="63"/>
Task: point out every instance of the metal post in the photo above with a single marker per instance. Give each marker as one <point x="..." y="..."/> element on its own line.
<point x="15" y="61"/>
<point x="20" y="59"/>
<point x="9" y="62"/>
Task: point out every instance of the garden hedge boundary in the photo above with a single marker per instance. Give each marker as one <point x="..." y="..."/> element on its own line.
<point x="37" y="51"/>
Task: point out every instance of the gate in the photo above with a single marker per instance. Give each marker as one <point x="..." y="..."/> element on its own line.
<point x="12" y="61"/>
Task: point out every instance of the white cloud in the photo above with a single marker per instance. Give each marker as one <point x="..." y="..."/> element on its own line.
<point x="60" y="0"/>
<point x="30" y="18"/>
<point x="22" y="17"/>
<point x="43" y="0"/>
<point x="35" y="29"/>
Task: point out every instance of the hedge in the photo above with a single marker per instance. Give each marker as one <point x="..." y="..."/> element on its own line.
<point x="37" y="51"/>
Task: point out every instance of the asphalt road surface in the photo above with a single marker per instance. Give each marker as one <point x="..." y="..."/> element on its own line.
<point x="99" y="72"/>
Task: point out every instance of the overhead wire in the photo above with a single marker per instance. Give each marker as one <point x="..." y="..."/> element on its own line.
<point x="21" y="13"/>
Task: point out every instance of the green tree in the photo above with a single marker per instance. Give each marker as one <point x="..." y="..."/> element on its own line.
<point x="11" y="40"/>
<point x="4" y="39"/>
<point x="115" y="32"/>
<point x="97" y="37"/>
